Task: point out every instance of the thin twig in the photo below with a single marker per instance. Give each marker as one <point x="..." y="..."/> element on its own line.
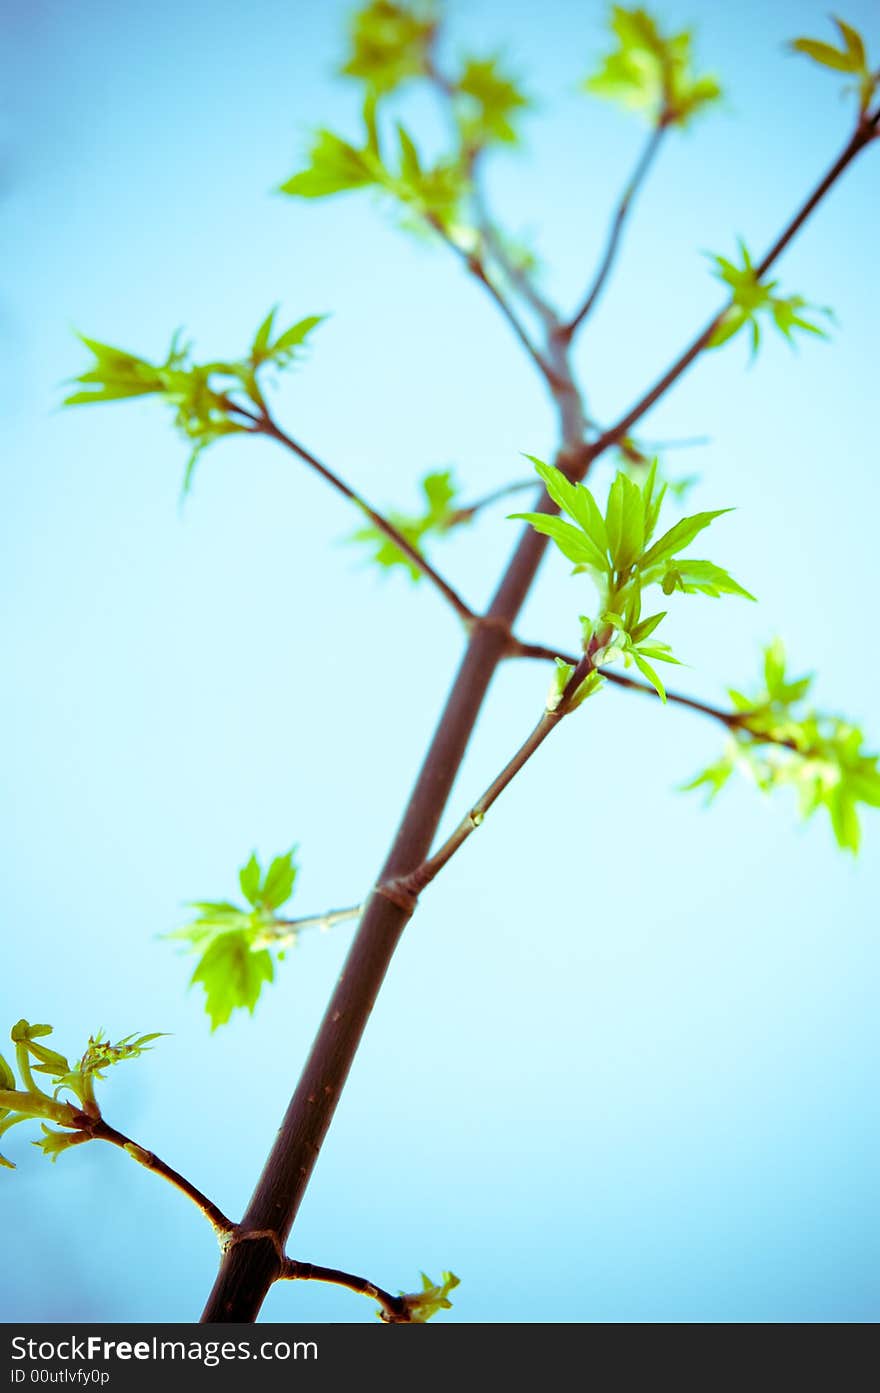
<point x="287" y="929"/>
<point x="469" y="510"/>
<point x="414" y="882"/>
<point x="627" y="199"/>
<point x="733" y="720"/>
<point x="394" y="1310"/>
<point x="474" y="264"/>
<point x="102" y="1131"/>
<point x="268" y="427"/>
<point x="518" y="277"/>
<point x="861" y="137"/>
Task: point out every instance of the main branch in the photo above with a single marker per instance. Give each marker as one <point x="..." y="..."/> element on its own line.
<point x="248" y="1269"/>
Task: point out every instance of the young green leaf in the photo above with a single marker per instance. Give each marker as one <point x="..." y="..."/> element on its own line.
<point x="679" y="537"/>
<point x="652" y="73"/>
<point x="433" y="1297"/>
<point x="249" y="879"/>
<point x="753" y="300"/>
<point x="277" y="887"/>
<point x="700" y="577"/>
<point x="232" y="976"/>
<point x="821" y="757"/>
<point x="576" y="500"/>
<point x="850" y="58"/>
<point x="625" y="522"/>
<point x="571" y="540"/>
<point x="487" y="103"/>
<point x="439" y="516"/>
<point x="390" y="43"/>
<point x="334" y="166"/>
<point x="646" y="670"/>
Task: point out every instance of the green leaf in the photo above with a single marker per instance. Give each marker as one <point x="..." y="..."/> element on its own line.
<point x="712" y="779"/>
<point x="647" y="626"/>
<point x="487" y="102"/>
<point x="752" y="299"/>
<point x="433" y="1297"/>
<point x="625" y="522"/>
<point x="679" y="537"/>
<point x="410" y="165"/>
<point x="652" y="73"/>
<point x="647" y="671"/>
<point x="53" y="1143"/>
<point x="823" y="53"/>
<point x="851" y="59"/>
<point x="439" y="516"/>
<point x="7" y="1078"/>
<point x="277" y="887"/>
<point x="390" y="43"/>
<point x="562" y="675"/>
<point x="335" y="166"/>
<point x="571" y="541"/>
<point x="701" y="577"/>
<point x="249" y="879"/>
<point x="232" y="976"/>
<point x="576" y="500"/>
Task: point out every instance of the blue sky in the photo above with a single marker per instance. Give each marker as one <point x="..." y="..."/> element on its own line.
<point x="623" y="1067"/>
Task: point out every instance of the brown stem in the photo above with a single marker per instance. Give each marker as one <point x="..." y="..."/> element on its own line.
<point x="393" y="1307"/>
<point x="474" y="264"/>
<point x="627" y="199"/>
<point x="733" y="720"/>
<point x="102" y="1131"/>
<point x="470" y="510"/>
<point x="269" y="428"/>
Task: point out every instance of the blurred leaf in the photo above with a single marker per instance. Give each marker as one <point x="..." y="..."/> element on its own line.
<point x="438" y="516"/>
<point x="822" y="757"/>
<point x="652" y="73"/>
<point x="752" y="300"/>
<point x="487" y="102"/>
<point x="232" y="976"/>
<point x="850" y="58"/>
<point x="390" y="43"/>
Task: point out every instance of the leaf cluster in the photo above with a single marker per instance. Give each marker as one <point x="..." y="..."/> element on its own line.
<point x="752" y="299"/>
<point x="234" y="942"/>
<point x="420" y="1306"/>
<point x="431" y="191"/>
<point x="438" y="516"/>
<point x="30" y="1101"/>
<point x="209" y="400"/>
<point x="390" y="43"/>
<point x="616" y="549"/>
<point x="850" y="58"/>
<point x="652" y="73"/>
<point x="777" y="742"/>
<point x="487" y="102"/>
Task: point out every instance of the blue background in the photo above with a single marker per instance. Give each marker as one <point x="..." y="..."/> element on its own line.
<point x="624" y="1064"/>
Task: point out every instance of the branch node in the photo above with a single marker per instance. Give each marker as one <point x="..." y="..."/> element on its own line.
<point x="237" y="1235"/>
<point x="399" y="893"/>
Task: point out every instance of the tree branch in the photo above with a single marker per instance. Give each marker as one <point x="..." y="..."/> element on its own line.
<point x="393" y="1307"/>
<point x="474" y="264"/>
<point x="267" y="426"/>
<point x="285" y="930"/>
<point x="244" y="1277"/>
<point x="102" y="1131"/>
<point x="733" y="720"/>
<point x="627" y="199"/>
<point x="861" y="137"/>
<point x="413" y="883"/>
